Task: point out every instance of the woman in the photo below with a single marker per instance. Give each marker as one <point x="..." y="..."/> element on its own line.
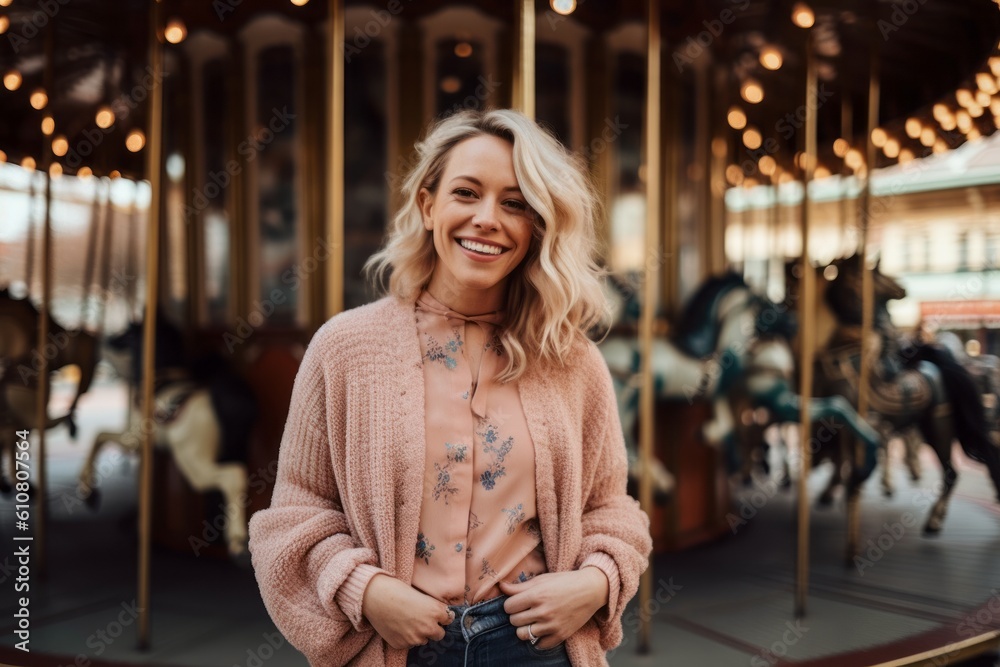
<point x="451" y="479"/>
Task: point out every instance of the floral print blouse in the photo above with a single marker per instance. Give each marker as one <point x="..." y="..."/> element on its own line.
<point x="478" y="521"/>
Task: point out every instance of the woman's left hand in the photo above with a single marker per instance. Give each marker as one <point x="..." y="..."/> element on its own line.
<point x="555" y="604"/>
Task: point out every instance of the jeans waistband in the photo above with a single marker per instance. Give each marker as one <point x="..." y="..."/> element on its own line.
<point x="472" y="620"/>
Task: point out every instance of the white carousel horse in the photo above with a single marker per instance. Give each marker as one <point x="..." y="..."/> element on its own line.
<point x="191" y="421"/>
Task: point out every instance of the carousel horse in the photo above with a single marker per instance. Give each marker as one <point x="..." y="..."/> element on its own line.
<point x="985" y="370"/>
<point x="203" y="413"/>
<point x="729" y="344"/>
<point x="909" y="384"/>
<point x="20" y="361"/>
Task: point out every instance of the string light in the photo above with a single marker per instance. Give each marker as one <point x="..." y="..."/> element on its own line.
<point x="175" y="32"/>
<point x="564" y="7"/>
<point x="986" y="83"/>
<point x="752" y="91"/>
<point x="84" y="172"/>
<point x="840" y="147"/>
<point x="114" y="174"/>
<point x="734" y="174"/>
<point x="60" y="145"/>
<point x="752" y="138"/>
<point x="995" y="65"/>
<point x="105" y="117"/>
<point x="55" y="170"/>
<point x="4" y="24"/>
<point x="135" y="140"/>
<point x="879" y="137"/>
<point x="770" y="58"/>
<point x="300" y="3"/>
<point x="913" y="128"/>
<point x="463" y="49"/>
<point x="853" y="159"/>
<point x="941" y="112"/>
<point x="802" y="15"/>
<point x="28" y="163"/>
<point x="3" y="157"/>
<point x="38" y="99"/>
<point x="737" y="118"/>
<point x="891" y="148"/>
<point x="767" y="165"/>
<point x="48" y="125"/>
<point x="821" y="172"/>
<point x="12" y="80"/>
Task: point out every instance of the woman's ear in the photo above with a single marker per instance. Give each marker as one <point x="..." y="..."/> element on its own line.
<point x="425" y="202"/>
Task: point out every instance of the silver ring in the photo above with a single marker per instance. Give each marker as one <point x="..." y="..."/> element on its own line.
<point x="531" y="637"/>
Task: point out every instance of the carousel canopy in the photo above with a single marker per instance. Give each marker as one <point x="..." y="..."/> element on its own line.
<point x="79" y="70"/>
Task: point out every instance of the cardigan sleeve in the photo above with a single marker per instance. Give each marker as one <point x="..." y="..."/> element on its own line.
<point x="616" y="535"/>
<point x="311" y="571"/>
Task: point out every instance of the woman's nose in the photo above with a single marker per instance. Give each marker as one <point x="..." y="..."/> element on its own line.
<point x="486" y="215"/>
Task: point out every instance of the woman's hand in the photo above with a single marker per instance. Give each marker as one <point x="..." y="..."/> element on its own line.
<point x="403" y="616"/>
<point x="555" y="605"/>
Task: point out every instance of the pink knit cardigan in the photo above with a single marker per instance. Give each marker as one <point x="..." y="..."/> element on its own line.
<point x="346" y="501"/>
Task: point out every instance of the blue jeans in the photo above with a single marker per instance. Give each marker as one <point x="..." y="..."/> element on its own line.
<point x="481" y="636"/>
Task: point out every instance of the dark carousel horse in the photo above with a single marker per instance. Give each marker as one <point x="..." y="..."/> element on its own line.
<point x="20" y="363"/>
<point x="910" y="384"/>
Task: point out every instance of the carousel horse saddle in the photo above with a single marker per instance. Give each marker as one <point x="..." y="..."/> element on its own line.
<point x="894" y="390"/>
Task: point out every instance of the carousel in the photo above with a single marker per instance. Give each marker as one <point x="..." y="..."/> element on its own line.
<point x="189" y="189"/>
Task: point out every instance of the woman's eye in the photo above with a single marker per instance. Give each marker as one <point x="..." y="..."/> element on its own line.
<point x="464" y="192"/>
<point x="518" y="205"/>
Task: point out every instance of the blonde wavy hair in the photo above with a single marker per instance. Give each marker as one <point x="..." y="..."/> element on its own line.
<point x="554" y="296"/>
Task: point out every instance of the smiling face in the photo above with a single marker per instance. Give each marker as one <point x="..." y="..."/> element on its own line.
<point x="481" y="223"/>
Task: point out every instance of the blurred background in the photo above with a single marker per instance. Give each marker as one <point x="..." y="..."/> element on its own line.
<point x="802" y="233"/>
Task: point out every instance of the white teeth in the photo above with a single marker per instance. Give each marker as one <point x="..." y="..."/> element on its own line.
<point x="480" y="247"/>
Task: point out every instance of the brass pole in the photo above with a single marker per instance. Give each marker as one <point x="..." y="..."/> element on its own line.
<point x="90" y="262"/>
<point x="42" y="397"/>
<point x="335" y="158"/>
<point x="806" y="337"/>
<point x="105" y="278"/>
<point x="847" y="132"/>
<point x="29" y="259"/>
<point x="653" y="222"/>
<point x="154" y="161"/>
<point x="867" y="299"/>
<point x="524" y="59"/>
